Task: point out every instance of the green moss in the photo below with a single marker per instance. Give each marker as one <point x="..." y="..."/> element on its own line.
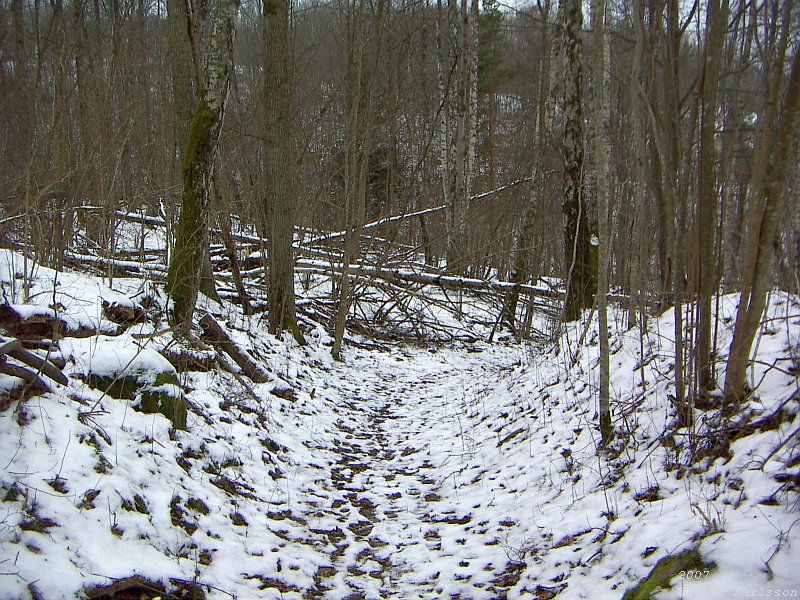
<point x="167" y="377"/>
<point x="164" y="401"/>
<point x="122" y="387"/>
<point x="665" y="570"/>
<point x="183" y="277"/>
<point x="291" y="325"/>
<point x="126" y="387"/>
<point x="161" y="394"/>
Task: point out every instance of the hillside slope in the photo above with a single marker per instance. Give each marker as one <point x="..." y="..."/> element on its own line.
<point x="461" y="471"/>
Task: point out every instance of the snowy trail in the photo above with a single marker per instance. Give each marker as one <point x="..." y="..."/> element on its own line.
<point x="393" y="529"/>
<point x="464" y="472"/>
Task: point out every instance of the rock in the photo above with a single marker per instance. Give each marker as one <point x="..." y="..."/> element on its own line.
<point x="142" y="375"/>
<point x="168" y="400"/>
<point x="666" y="569"/>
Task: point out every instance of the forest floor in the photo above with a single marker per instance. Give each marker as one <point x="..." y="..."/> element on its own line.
<point x="459" y="470"/>
<point x="389" y="498"/>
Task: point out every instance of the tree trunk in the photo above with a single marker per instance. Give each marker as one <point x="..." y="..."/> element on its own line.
<point x="523" y="260"/>
<point x="581" y="282"/>
<point x="706" y="210"/>
<point x="457" y="40"/>
<point x="197" y="164"/>
<point x="359" y="148"/>
<point x="278" y="164"/>
<point x="181" y="70"/>
<point x="602" y="145"/>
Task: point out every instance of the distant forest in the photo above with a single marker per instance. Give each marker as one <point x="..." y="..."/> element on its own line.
<point x="647" y="149"/>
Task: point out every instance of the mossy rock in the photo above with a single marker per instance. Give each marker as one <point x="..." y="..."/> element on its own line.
<point x="154" y="392"/>
<point x="123" y="388"/>
<point x="665" y="570"/>
<point x="168" y="400"/>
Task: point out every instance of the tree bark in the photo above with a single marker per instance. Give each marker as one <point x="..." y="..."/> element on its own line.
<point x="181" y="70"/>
<point x="601" y="149"/>
<point x="214" y="333"/>
<point x="457" y="40"/>
<point x="581" y="282"/>
<point x="523" y="260"/>
<point x="197" y="164"/>
<point x="278" y="165"/>
<point x="706" y="210"/>
<point x="359" y="148"/>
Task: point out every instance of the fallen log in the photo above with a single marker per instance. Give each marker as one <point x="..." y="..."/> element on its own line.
<point x="446" y="282"/>
<point x="124" y="267"/>
<point x="218" y="337"/>
<point x="32" y="324"/>
<point x="402" y="217"/>
<point x="122" y="314"/>
<point x="303" y="246"/>
<point x="13" y="347"/>
<point x="29" y="377"/>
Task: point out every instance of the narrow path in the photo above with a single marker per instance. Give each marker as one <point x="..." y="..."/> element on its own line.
<point x="395" y="532"/>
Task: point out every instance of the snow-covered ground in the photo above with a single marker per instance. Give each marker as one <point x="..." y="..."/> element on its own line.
<point x="467" y="470"/>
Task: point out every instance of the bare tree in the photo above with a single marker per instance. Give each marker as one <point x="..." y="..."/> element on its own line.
<point x="457" y="42"/>
<point x="278" y="167"/>
<point x="581" y="281"/>
<point x="526" y="239"/>
<point x="191" y="245"/>
<point x="600" y="158"/>
<point x="706" y="208"/>
<point x="778" y="140"/>
<point x="359" y="144"/>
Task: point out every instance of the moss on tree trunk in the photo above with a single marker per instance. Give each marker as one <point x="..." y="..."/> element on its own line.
<point x="185" y="267"/>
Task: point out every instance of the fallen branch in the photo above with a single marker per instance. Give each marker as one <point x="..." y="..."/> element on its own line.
<point x="155" y="270"/>
<point x="394" y="219"/>
<point x="28" y="376"/>
<point x="447" y="282"/>
<point x="13" y="348"/>
<point x="217" y="336"/>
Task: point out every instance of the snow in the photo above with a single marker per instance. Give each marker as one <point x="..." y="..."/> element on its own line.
<point x="106" y="356"/>
<point x="464" y="470"/>
<point x="73" y="297"/>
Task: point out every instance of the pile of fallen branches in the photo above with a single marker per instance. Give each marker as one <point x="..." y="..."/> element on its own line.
<point x="394" y="296"/>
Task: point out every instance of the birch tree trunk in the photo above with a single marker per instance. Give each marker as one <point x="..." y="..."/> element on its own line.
<point x="602" y="145"/>
<point x="197" y="166"/>
<point x="186" y="82"/>
<point x="181" y="70"/>
<point x="457" y="38"/>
